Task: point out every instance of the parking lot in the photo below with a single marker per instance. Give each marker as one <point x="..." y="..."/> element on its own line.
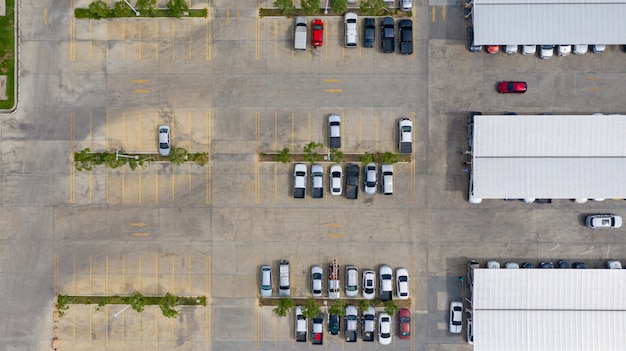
<point x="233" y="86"/>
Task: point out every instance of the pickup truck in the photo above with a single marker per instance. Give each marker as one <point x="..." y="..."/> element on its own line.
<point x="350" y="323"/>
<point x="405" y="136"/>
<point x="368" y="324"/>
<point x="317" y="181"/>
<point x="299" y="181"/>
<point x="385" y="275"/>
<point x="334" y="289"/>
<point x="301" y="325"/>
<point x="334" y="131"/>
<point x="405" y="33"/>
<point x="352" y="181"/>
<point x="317" y="332"/>
<point x="387" y="28"/>
<point x="283" y="283"/>
<point x="299" y="39"/>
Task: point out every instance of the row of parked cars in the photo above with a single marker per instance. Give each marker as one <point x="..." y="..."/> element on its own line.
<point x="368" y="279"/>
<point x="351" y="33"/>
<point x="336" y="181"/>
<point x="610" y="264"/>
<point x="367" y="320"/>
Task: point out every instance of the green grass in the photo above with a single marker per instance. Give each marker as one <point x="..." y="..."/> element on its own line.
<point x="7" y="53"/>
<point x="83" y="13"/>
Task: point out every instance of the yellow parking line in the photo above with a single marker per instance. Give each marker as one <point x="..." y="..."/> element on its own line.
<point x="141" y="91"/>
<point x="336" y="235"/>
<point x="190" y="40"/>
<point x="292" y="130"/>
<point x="228" y="15"/>
<point x="90" y="278"/>
<point x="123" y="272"/>
<point x="333" y="90"/>
<point x="433" y="14"/>
<point x="207" y="41"/>
<point x="90" y="41"/>
<point x="141" y="234"/>
<point x="45" y="15"/>
<point x="173" y="188"/>
<point x="156" y="273"/>
<point x="258" y="39"/>
<point x="333" y="225"/>
<point x="172" y="291"/>
<point x="156" y="39"/>
<point x="275" y="131"/>
<point x="443" y="12"/>
<point x="140" y="41"/>
<point x="332" y="80"/>
<point x="74" y="270"/>
<point x="276" y="43"/>
<point x="309" y="127"/>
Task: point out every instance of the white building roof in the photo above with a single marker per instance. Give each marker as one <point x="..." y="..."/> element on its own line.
<point x="549" y="157"/>
<point x="535" y="22"/>
<point x="549" y="309"/>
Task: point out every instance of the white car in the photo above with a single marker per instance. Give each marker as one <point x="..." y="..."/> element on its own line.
<point x="470" y="332"/>
<point x="547" y="51"/>
<point x="564" y="50"/>
<point x="456" y="317"/>
<point x="387" y="179"/>
<point x="334" y="131"/>
<point x="369" y="285"/>
<point x="351" y="28"/>
<point x="604" y="221"/>
<point x="511" y="265"/>
<point x="317" y="278"/>
<point x="402" y="283"/>
<point x="301" y="325"/>
<point x="529" y="49"/>
<point x="385" y="274"/>
<point x="493" y="264"/>
<point x="405" y="136"/>
<point x="352" y="281"/>
<point x="510" y="49"/>
<point x="614" y="264"/>
<point x="598" y="48"/>
<point x="266" y="281"/>
<point x="299" y="180"/>
<point x="336" y="180"/>
<point x="371" y="179"/>
<point x="580" y="49"/>
<point x="406" y="5"/>
<point x="165" y="145"/>
<point x="384" y="329"/>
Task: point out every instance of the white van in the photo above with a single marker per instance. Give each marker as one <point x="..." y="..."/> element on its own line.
<point x="387" y="178"/>
<point x="352" y="37"/>
<point x="299" y="39"/>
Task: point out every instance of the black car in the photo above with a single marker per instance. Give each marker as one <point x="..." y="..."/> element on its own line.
<point x="579" y="265"/>
<point x="405" y="33"/>
<point x="388" y="35"/>
<point x="470" y="41"/>
<point x="352" y="181"/>
<point x="546" y="264"/>
<point x="333" y="324"/>
<point x="369" y="32"/>
<point x="564" y="264"/>
<point x="528" y="265"/>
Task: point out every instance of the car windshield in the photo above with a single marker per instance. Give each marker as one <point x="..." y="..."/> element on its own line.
<point x="386" y="276"/>
<point x="351" y="288"/>
<point x="351" y="318"/>
<point x="336" y="174"/>
<point x="163" y="145"/>
<point x="385" y="335"/>
<point x="318" y="174"/>
<point x="371" y="184"/>
<point x="406" y="129"/>
<point x="317" y="27"/>
<point x="405" y="319"/>
<point x="266" y="287"/>
<point x="317" y="276"/>
<point x="300" y="174"/>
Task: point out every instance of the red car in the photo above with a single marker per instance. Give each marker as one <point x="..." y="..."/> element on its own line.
<point x="404" y="315"/>
<point x="512" y="87"/>
<point x="317" y="39"/>
<point x="493" y="49"/>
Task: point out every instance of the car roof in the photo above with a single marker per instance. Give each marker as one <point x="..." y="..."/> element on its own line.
<point x="387" y="20"/>
<point x="351" y="15"/>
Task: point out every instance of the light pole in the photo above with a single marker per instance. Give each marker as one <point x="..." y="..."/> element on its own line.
<point x="326" y="8"/>
<point x="117" y="155"/>
<point x="120" y="312"/>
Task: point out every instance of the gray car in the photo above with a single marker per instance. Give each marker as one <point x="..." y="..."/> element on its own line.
<point x="165" y="145"/>
<point x="266" y="281"/>
<point x="371" y="179"/>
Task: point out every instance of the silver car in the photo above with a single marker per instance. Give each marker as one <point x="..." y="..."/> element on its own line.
<point x="604" y="221"/>
<point x="317" y="278"/>
<point x="266" y="281"/>
<point x="369" y="285"/>
<point x="371" y="179"/>
<point x="164" y="140"/>
<point x="352" y="281"/>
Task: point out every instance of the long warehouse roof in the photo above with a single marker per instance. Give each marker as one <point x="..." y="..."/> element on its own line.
<point x="549" y="309"/>
<point x="536" y="22"/>
<point x="549" y="157"/>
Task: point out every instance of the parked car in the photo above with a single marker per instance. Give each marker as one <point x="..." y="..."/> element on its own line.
<point x="165" y="145"/>
<point x="529" y="49"/>
<point x="317" y="181"/>
<point x="614" y="264"/>
<point x="352" y="281"/>
<point x="546" y="264"/>
<point x="369" y="32"/>
<point x="387" y="179"/>
<point x="352" y="36"/>
<point x="317" y="37"/>
<point x="493" y="49"/>
<point x="406" y="5"/>
<point x="385" y="274"/>
<point x="456" y="317"/>
<point x="350" y="320"/>
<point x="369" y="284"/>
<point x="603" y="221"/>
<point x="579" y="265"/>
<point x="284" y="287"/>
<point x="528" y="265"/>
<point x="510" y="49"/>
<point x="368" y="324"/>
<point x="371" y="179"/>
<point x="334" y="131"/>
<point x="384" y="329"/>
<point x="511" y="265"/>
<point x="598" y="48"/>
<point x="301" y="325"/>
<point x="547" y="51"/>
<point x="387" y="28"/>
<point x="317" y="330"/>
<point x="266" y="281"/>
<point x="470" y="41"/>
<point x="512" y="87"/>
<point x="352" y="181"/>
<point x="336" y="180"/>
<point x="317" y="281"/>
<point x="333" y="323"/>
<point x="580" y="49"/>
<point x="564" y="264"/>
<point x="299" y="40"/>
<point x="402" y="283"/>
<point x="470" y="331"/>
<point x="493" y="264"/>
<point x="564" y="50"/>
<point x="405" y="35"/>
<point x="405" y="136"/>
<point x="404" y="319"/>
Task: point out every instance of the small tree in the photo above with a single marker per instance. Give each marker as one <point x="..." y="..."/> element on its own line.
<point x="364" y="305"/>
<point x="309" y="7"/>
<point x="178" y="7"/>
<point x="366" y="158"/>
<point x="178" y="155"/>
<point x="391" y="308"/>
<point x="339" y="307"/>
<point x="390" y="158"/>
<point x="99" y="9"/>
<point x="310" y="309"/>
<point x="283" y="156"/>
<point x="146" y="7"/>
<point x="339" y="6"/>
<point x="137" y="302"/>
<point x="201" y="158"/>
<point x="167" y="303"/>
<point x="286" y="7"/>
<point x="285" y="304"/>
<point x="336" y="155"/>
<point x="373" y="7"/>
<point x="310" y="152"/>
<point x="121" y="9"/>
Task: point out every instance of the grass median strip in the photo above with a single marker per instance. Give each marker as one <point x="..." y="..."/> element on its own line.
<point x="7" y="54"/>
